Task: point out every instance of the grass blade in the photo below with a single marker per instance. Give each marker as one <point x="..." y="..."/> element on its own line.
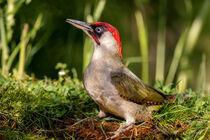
<point x="4" y="47"/>
<point x="130" y="60"/>
<point x="196" y="27"/>
<point x="202" y="75"/>
<point x="99" y="9"/>
<point x="176" y="58"/>
<point x="143" y="40"/>
<point x="37" y="47"/>
<point x="13" y="56"/>
<point x="32" y="35"/>
<point x="160" y="60"/>
<point x="179" y="49"/>
<point x="36" y="27"/>
<point x="88" y="46"/>
<point x="194" y="33"/>
<point x="87" y="52"/>
<point x="24" y="41"/>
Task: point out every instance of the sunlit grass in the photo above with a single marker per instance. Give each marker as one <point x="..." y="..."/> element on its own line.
<point x="180" y="70"/>
<point x="24" y="42"/>
<point x="161" y="42"/>
<point x="28" y="108"/>
<point x="143" y="45"/>
<point x="4" y="46"/>
<point x="9" y="53"/>
<point x="201" y="83"/>
<point x="176" y="58"/>
<point x="193" y="36"/>
<point x="32" y="106"/>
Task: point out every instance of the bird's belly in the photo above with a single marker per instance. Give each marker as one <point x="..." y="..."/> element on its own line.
<point x="104" y="94"/>
<point x="123" y="108"/>
<point x="115" y="105"/>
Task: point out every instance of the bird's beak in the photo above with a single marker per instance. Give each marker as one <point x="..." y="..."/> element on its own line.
<point x="86" y="27"/>
<point x="81" y="25"/>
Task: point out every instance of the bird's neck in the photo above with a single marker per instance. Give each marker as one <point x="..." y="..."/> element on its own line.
<point x="106" y="57"/>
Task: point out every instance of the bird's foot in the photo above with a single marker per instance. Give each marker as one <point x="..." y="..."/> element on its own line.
<point x="121" y="129"/>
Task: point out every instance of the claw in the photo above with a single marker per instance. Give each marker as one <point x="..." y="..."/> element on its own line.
<point x="121" y="129"/>
<point x="128" y="125"/>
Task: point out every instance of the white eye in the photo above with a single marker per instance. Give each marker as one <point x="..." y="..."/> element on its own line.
<point x="99" y="29"/>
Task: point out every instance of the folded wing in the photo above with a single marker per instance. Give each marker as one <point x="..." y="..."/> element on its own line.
<point x="133" y="89"/>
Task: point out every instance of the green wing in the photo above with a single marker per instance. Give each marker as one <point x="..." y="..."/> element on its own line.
<point x="131" y="88"/>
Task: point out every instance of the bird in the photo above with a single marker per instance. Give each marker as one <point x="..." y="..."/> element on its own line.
<point x="112" y="86"/>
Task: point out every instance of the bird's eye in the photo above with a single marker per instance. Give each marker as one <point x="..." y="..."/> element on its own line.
<point x="99" y="29"/>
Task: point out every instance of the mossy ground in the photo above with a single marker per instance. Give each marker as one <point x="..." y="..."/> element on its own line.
<point x="58" y="109"/>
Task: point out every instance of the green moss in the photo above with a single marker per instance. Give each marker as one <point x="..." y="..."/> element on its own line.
<point x="29" y="107"/>
<point x="193" y="109"/>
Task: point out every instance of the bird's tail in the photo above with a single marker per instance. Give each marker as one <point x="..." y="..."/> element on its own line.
<point x="154" y="107"/>
<point x="171" y="98"/>
<point x="168" y="99"/>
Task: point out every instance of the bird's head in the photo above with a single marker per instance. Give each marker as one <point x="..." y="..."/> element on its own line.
<point x="103" y="35"/>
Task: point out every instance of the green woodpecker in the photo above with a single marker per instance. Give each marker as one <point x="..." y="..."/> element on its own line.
<point x="111" y="84"/>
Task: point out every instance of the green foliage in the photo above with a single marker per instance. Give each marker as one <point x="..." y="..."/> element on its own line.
<point x="193" y="36"/>
<point x="201" y="84"/>
<point x="191" y="108"/>
<point x="161" y="41"/>
<point x="130" y="60"/>
<point x="30" y="104"/>
<point x="184" y="47"/>
<point x="143" y="41"/>
<point x="9" y="48"/>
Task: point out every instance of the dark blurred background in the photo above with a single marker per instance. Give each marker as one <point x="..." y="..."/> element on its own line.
<point x="64" y="43"/>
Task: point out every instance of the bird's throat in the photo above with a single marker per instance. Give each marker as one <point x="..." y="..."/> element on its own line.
<point x="95" y="38"/>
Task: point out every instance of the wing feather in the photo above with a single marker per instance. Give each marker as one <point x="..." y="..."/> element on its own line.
<point x="133" y="89"/>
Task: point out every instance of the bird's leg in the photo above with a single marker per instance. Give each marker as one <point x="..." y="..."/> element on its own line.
<point x="128" y="124"/>
<point x="102" y="114"/>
